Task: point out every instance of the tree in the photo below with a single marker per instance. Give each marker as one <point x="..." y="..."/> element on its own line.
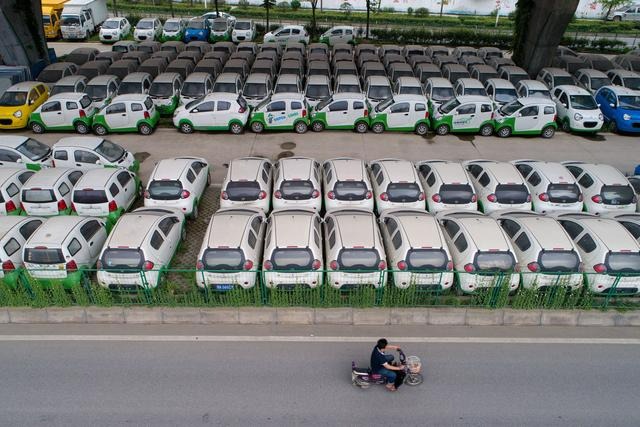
<point x="610" y="5"/>
<point x="346" y="8"/>
<point x="314" y="5"/>
<point x="216" y="3"/>
<point x="268" y="4"/>
<point x="295" y="4"/>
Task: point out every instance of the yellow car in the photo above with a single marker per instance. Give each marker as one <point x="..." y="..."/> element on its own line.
<point x="19" y="101"/>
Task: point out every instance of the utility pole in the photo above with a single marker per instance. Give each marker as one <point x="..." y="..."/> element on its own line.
<point x="441" y="6"/>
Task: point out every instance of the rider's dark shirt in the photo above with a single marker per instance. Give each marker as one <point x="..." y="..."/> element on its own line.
<point x="377" y="360"/>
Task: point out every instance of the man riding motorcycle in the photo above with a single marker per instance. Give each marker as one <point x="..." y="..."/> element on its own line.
<point x="381" y="363"/>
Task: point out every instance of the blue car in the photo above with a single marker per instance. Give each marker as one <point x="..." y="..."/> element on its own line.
<point x="198" y="29"/>
<point x="620" y="107"/>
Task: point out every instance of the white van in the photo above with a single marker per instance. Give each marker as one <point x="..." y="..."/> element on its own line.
<point x="346" y="184"/>
<point x="354" y="252"/>
<point x="416" y="250"/>
<point x="14" y="232"/>
<point x="62" y="249"/>
<point x="610" y="253"/>
<point x="546" y="254"/>
<point x="446" y="185"/>
<point x="247" y="184"/>
<point x="553" y="189"/>
<point x="48" y="192"/>
<point x="396" y="185"/>
<point x="11" y="182"/>
<point x="231" y="249"/>
<point x="499" y="185"/>
<point x="297" y="183"/>
<point x="293" y="249"/>
<point x="89" y="152"/>
<point x="482" y="253"/>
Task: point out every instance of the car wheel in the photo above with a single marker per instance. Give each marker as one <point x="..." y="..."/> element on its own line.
<point x="548" y="132"/>
<point x="377" y="128"/>
<point x="565" y="126"/>
<point x="487" y="130"/>
<point x="82" y="128"/>
<point x="208" y="179"/>
<point x="236" y="128"/>
<point x="257" y="127"/>
<point x="617" y="19"/>
<point x="183" y="234"/>
<point x="37" y="127"/>
<point x="301" y="127"/>
<point x="613" y="127"/>
<point x="442" y="129"/>
<point x="194" y="212"/>
<point x="361" y="127"/>
<point x="504" y="132"/>
<point x="100" y="130"/>
<point x="145" y="129"/>
<point x="317" y="126"/>
<point x="422" y="129"/>
<point x="186" y="128"/>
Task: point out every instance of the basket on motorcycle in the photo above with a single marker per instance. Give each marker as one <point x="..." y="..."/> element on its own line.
<point x="414" y="364"/>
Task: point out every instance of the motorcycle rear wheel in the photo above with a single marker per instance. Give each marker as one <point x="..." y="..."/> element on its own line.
<point x="413" y="379"/>
<point x="360" y="383"/>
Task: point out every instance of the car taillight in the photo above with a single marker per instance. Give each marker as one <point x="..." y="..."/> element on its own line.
<point x="146" y="115"/>
<point x="402" y="265"/>
<point x="82" y="113"/>
<point x="224" y="195"/>
<point x="450" y="265"/>
<point x="533" y="266"/>
<point x="99" y="265"/>
<point x="71" y="266"/>
<point x="382" y="265"/>
<point x="474" y="198"/>
<point x="426" y="114"/>
<point x="148" y="265"/>
<point x="331" y="195"/>
<point x="492" y="198"/>
<point x="315" y="194"/>
<point x="184" y="194"/>
<point x="10" y="206"/>
<point x="147" y="195"/>
<point x="469" y="268"/>
<point x="199" y="265"/>
<point x="261" y="195"/>
<point x="600" y="268"/>
<point x="436" y="198"/>
<point x="278" y="194"/>
<point x="62" y="205"/>
<point x="597" y="198"/>
<point x="528" y="197"/>
<point x="316" y="264"/>
<point x="366" y="113"/>
<point x="333" y="265"/>
<point x="53" y="163"/>
<point x="248" y="265"/>
<point x="384" y="197"/>
<point x="368" y="195"/>
<point x="543" y="197"/>
<point x="304" y="113"/>
<point x="8" y="266"/>
<point x="421" y="196"/>
<point x="113" y="206"/>
<point x="267" y="265"/>
<point x="242" y="110"/>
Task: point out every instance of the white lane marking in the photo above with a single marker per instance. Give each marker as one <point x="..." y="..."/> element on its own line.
<point x="319" y="339"/>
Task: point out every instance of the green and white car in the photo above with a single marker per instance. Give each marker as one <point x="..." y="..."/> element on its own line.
<point x="127" y="113"/>
<point x="281" y="111"/>
<point x="92" y="152"/>
<point x="64" y="112"/>
<point x="215" y="112"/>
<point x="526" y="116"/>
<point x="14" y="232"/>
<point x="464" y="114"/>
<point x="173" y="30"/>
<point x="23" y="152"/>
<point x="165" y="92"/>
<point x="342" y="111"/>
<point x="403" y="113"/>
<point x="220" y="30"/>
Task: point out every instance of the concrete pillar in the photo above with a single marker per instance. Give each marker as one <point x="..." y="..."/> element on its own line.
<point x="22" y="39"/>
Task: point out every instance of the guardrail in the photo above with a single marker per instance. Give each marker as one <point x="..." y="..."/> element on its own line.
<point x="320" y="288"/>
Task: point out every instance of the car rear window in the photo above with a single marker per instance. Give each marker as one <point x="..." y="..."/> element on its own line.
<point x="165" y="190"/>
<point x="38" y="196"/>
<point x="148" y="103"/>
<point x="559" y="261"/>
<point x="456" y="193"/>
<point x="122" y="259"/>
<point x="240" y="191"/>
<point x="223" y="259"/>
<point x="511" y="194"/>
<point x="494" y="261"/>
<point x="350" y="190"/>
<point x="427" y="259"/>
<point x="43" y="256"/>
<point x="89" y="197"/>
<point x="358" y="259"/>
<point x="292" y="259"/>
<point x="622" y="262"/>
<point x="617" y="195"/>
<point x="296" y="190"/>
<point x="403" y="192"/>
<point x="563" y="193"/>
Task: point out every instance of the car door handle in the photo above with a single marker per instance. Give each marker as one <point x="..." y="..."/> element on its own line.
<point x="59" y="113"/>
<point x="91" y="244"/>
<point x="535" y="117"/>
<point x="284" y="112"/>
<point x="473" y="115"/>
<point x="345" y="112"/>
<point x="406" y="114"/>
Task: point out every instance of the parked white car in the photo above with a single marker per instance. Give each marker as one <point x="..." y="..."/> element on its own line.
<point x="341" y="111"/>
<point x="244" y="30"/>
<point x="90" y="152"/>
<point x="214" y="112"/>
<point x="127" y="113"/>
<point x="577" y="109"/>
<point x="48" y="192"/>
<point x="286" y="34"/>
<point x="147" y="29"/>
<point x="396" y="184"/>
<point x="24" y="152"/>
<point x="297" y="184"/>
<point x="14" y="232"/>
<point x="346" y="184"/>
<point x="11" y="182"/>
<point x="247" y="184"/>
<point x="446" y="185"/>
<point x="498" y="185"/>
<point x="63" y="112"/>
<point x="114" y="29"/>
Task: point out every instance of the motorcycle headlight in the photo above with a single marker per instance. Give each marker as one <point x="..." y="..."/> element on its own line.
<point x="626" y="117"/>
<point x="577" y="116"/>
<point x="17" y="114"/>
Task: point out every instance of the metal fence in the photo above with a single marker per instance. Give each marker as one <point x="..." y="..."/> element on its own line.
<point x="320" y="288"/>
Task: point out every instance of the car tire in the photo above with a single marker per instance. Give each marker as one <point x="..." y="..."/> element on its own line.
<point x="442" y="130"/>
<point x="504" y="132"/>
<point x="617" y="19"/>
<point x="145" y="129"/>
<point x="487" y="130"/>
<point x="257" y="127"/>
<point x="37" y="128"/>
<point x="377" y="128"/>
<point x="82" y="128"/>
<point x="361" y="127"/>
<point x="236" y="128"/>
<point x="422" y="129"/>
<point x="317" y="126"/>
<point x="300" y="127"/>
<point x="548" y="132"/>
<point x="186" y="127"/>
<point x="194" y="212"/>
<point x="565" y="126"/>
<point x="613" y="127"/>
<point x="100" y="130"/>
<point x="209" y="179"/>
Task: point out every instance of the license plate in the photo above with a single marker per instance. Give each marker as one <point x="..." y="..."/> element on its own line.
<point x="224" y="287"/>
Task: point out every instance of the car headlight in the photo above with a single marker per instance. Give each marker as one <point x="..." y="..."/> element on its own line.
<point x="626" y="117"/>
<point x="200" y="32"/>
<point x="17" y="114"/>
<point x="600" y="117"/>
<point x="577" y="116"/>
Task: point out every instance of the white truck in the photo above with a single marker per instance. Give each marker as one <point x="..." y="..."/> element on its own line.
<point x="81" y="18"/>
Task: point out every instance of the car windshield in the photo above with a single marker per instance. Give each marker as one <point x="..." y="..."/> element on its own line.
<point x="61" y="89"/>
<point x="410" y="90"/>
<point x="494" y="261"/>
<point x="242" y="25"/>
<point x="144" y="25"/>
<point x="286" y="87"/>
<point x="70" y="20"/>
<point x="242" y="191"/>
<point x="632" y="83"/>
<point x="350" y="190"/>
<point x="223" y="259"/>
<point x="358" y="259"/>
<point x="196" y="25"/>
<point x="505" y="95"/>
<point x="89" y="197"/>
<point x="443" y="94"/>
<point x="50" y="76"/>
<point x="96" y="92"/>
<point x="475" y="91"/>
<point x="13" y="99"/>
<point x="598" y="82"/>
<point x="427" y="259"/>
<point x="559" y="261"/>
<point x="161" y="90"/>
<point x="384" y="104"/>
<point x="292" y="259"/>
<point x="510" y="108"/>
<point x="43" y="256"/>
<point x="583" y="102"/>
<point x="563" y="80"/>
<point x="623" y="262"/>
<point x="563" y="193"/>
<point x="171" y="26"/>
<point x="511" y="194"/>
<point x="34" y="150"/>
<point x="296" y="190"/>
<point x="165" y="190"/>
<point x="403" y="192"/>
<point x="129" y="87"/>
<point x="449" y="106"/>
<point x="322" y="104"/>
<point x="617" y="195"/>
<point x="111" y="25"/>
<point x="224" y="87"/>
<point x="540" y="93"/>
<point x="629" y="102"/>
<point x="122" y="259"/>
<point x="110" y="151"/>
<point x="345" y="88"/>
<point x="379" y="92"/>
<point x="38" y="196"/>
<point x="456" y="194"/>
<point x="317" y="91"/>
<point x="219" y="26"/>
<point x="193" y="89"/>
<point x="256" y="90"/>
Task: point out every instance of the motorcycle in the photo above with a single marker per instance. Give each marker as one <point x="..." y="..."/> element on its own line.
<point x="363" y="378"/>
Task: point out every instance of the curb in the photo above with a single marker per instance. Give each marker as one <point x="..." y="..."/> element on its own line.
<point x="318" y="316"/>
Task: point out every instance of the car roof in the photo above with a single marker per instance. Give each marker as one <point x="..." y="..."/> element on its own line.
<point x="70" y="79"/>
<point x="12" y="141"/>
<point x="46" y="178"/>
<point x="287" y="96"/>
<point x="245" y="168"/>
<point x="409" y="97"/>
<point x="59" y="66"/>
<point x="132" y="228"/>
<point x="485" y="232"/>
<point x="421" y="228"/>
<point x="130" y="97"/>
<point x="216" y="96"/>
<point x="552" y="170"/>
<point x="166" y="77"/>
<point x="197" y="77"/>
<point x="6" y="173"/>
<point x="623" y="73"/>
<point x="605" y="173"/>
<point x="348" y="78"/>
<point x="621" y="90"/>
<point x="348" y="96"/>
<point x="23" y="86"/>
<point x="554" y="71"/>
<point x="473" y="98"/>
<point x="296" y="224"/>
<point x="536" y="100"/>
<point x="9" y="222"/>
<point x="501" y="83"/>
<point x="294" y="168"/>
<point x="228" y="227"/>
<point x="227" y="77"/>
<point x="573" y="90"/>
<point x="455" y="68"/>
<point x="172" y="168"/>
<point x="398" y="170"/>
<point x="513" y="69"/>
<point x="450" y="172"/>
<point x="73" y="96"/>
<point x="378" y="80"/>
<point x="317" y="79"/>
<point x="55" y="230"/>
<point x="469" y="82"/>
<point x="609" y="231"/>
<point x="502" y="171"/>
<point x="96" y="178"/>
<point x="346" y="169"/>
<point x="545" y="230"/>
<point x="137" y="77"/>
<point x="102" y="79"/>
<point x="89" y="142"/>
<point x="257" y="78"/>
<point x="439" y="82"/>
<point x="533" y="84"/>
<point x="409" y="81"/>
<point x="591" y="72"/>
<point x="356" y="227"/>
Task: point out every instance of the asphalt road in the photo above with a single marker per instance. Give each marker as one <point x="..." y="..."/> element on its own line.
<point x="93" y="383"/>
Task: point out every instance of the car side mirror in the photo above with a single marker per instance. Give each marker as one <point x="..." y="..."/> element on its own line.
<point x="98" y="162"/>
<point x="519" y="115"/>
<point x="564" y="105"/>
<point x="18" y="160"/>
<point x="31" y="102"/>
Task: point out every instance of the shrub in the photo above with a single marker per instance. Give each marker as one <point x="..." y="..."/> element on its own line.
<point x="346" y="8"/>
<point x="409" y="11"/>
<point x="283" y="5"/>
<point x="421" y="12"/>
<point x="243" y="4"/>
<point x="295" y="4"/>
<point x="388" y="10"/>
